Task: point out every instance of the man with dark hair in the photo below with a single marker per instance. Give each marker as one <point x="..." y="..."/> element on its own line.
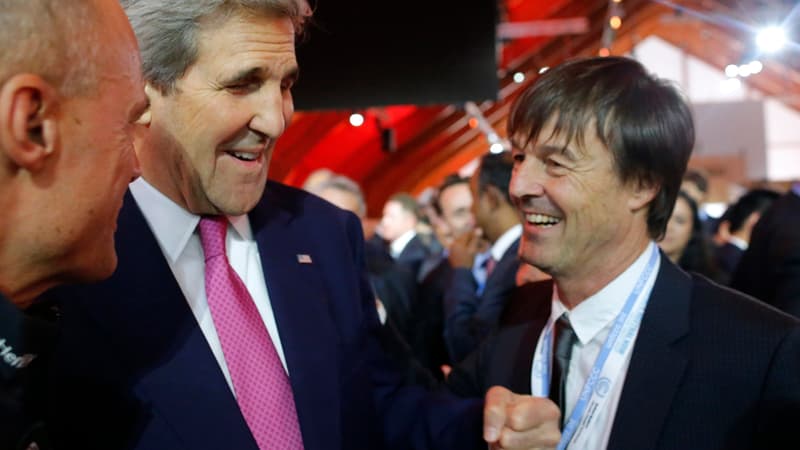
<point x="740" y="219"/>
<point x="70" y="91"/>
<point x="472" y="313"/>
<point x="770" y="268"/>
<point x="637" y="353"/>
<point x="242" y="316"/>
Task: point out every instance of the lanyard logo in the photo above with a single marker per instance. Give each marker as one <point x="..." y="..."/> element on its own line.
<point x="8" y="356"/>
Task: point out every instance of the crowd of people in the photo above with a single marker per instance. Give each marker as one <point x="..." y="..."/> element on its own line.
<point x="158" y="291"/>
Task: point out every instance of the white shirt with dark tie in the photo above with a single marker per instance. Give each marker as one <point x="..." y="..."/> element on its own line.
<point x="592" y="321"/>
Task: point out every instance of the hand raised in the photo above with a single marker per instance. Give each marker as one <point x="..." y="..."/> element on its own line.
<point x="513" y="421"/>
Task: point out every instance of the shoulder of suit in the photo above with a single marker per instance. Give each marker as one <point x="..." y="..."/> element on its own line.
<point x="737" y="308"/>
<point x="293" y="198"/>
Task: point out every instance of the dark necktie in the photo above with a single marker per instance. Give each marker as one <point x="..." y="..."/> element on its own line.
<point x="565" y="339"/>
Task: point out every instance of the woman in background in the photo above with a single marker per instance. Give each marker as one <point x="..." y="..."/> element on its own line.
<point x="684" y="242"/>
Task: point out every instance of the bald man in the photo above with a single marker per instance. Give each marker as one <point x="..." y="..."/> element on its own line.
<point x="70" y="91"/>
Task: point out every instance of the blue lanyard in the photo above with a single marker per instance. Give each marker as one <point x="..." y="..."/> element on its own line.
<point x="589" y="386"/>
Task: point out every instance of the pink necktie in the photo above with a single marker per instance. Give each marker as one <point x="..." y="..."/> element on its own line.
<point x="261" y="385"/>
<point x="491" y="263"/>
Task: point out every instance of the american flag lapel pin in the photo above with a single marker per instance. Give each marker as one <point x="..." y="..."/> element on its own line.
<point x="304" y="259"/>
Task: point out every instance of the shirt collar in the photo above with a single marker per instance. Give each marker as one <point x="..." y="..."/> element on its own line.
<point x="171" y="223"/>
<point x="593" y="314"/>
<point x="400" y="243"/>
<point x="739" y="243"/>
<point x="505" y="241"/>
<point x="22" y="338"/>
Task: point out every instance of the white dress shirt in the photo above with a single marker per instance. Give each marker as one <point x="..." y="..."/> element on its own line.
<point x="592" y="320"/>
<point x="398" y="245"/>
<point x="177" y="235"/>
<point x="739" y="243"/>
<point x="505" y="240"/>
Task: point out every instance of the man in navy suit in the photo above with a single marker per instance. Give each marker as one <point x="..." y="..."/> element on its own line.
<point x="147" y="360"/>
<point x="637" y="353"/>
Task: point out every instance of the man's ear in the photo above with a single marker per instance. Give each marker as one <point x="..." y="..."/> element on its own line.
<point x="642" y="194"/>
<point x="28" y="120"/>
<point x="495" y="197"/>
<point x="150" y="92"/>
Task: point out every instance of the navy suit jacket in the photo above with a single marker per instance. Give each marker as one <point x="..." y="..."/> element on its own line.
<point x="711" y="369"/>
<point x="133" y="369"/>
<point x="470" y="317"/>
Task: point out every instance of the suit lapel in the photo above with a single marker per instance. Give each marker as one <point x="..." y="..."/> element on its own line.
<point x="657" y="363"/>
<point x="299" y="302"/>
<point x="172" y="368"/>
<point x="504" y="275"/>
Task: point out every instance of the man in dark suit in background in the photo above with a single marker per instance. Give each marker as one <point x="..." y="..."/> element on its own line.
<point x="399" y="227"/>
<point x="740" y="219"/>
<point x="770" y="268"/>
<point x="240" y="316"/>
<point x="471" y="313"/>
<point x="637" y="353"/>
<point x="70" y="89"/>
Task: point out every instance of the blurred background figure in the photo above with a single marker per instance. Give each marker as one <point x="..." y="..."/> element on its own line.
<point x="684" y="241"/>
<point x="316" y="178"/>
<point x="472" y="309"/>
<point x="770" y="268"/>
<point x="342" y="192"/>
<point x="738" y="221"/>
<point x="398" y="227"/>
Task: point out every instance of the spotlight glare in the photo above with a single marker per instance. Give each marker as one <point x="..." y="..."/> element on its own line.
<point x="543" y="70"/>
<point x="615" y="22"/>
<point x="519" y="77"/>
<point x="731" y="84"/>
<point x="756" y="66"/>
<point x="604" y="52"/>
<point x="732" y="70"/>
<point x="771" y="39"/>
<point x="744" y="70"/>
<point x="356" y="119"/>
<point x="496" y="148"/>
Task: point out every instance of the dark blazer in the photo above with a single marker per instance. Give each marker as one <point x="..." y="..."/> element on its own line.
<point x="711" y="369"/>
<point x="770" y="268"/>
<point x="427" y="316"/>
<point x="413" y="254"/>
<point x="133" y="369"/>
<point x="727" y="257"/>
<point x="470" y="317"/>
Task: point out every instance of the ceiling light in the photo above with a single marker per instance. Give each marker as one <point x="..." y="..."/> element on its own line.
<point x="771" y="39"/>
<point x="356" y="119"/>
<point x="732" y="70"/>
<point x="519" y="77"/>
<point x="744" y="70"/>
<point x="497" y="148"/>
